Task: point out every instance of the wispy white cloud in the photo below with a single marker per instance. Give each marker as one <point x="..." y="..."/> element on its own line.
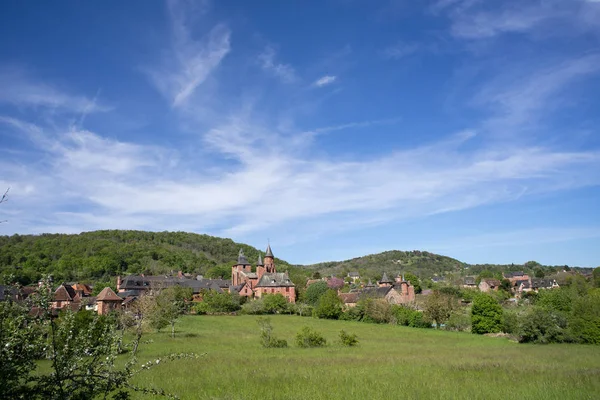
<point x="400" y="50"/>
<point x="519" y="97"/>
<point x="325" y="80"/>
<point x="188" y="62"/>
<point x="21" y="89"/>
<point x="284" y="72"/>
<point x="472" y="19"/>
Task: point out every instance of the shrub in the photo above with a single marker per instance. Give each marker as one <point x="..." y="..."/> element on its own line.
<point x="329" y="306"/>
<point x="314" y="292"/>
<point x="458" y="321"/>
<point x="541" y="325"/>
<point x="584" y="323"/>
<point x="309" y="338"/>
<point x="274" y="303"/>
<point x="221" y="302"/>
<point x="486" y="315"/>
<point x="266" y="335"/>
<point x="408" y="317"/>
<point x="254" y="307"/>
<point x="348" y="339"/>
<point x="352" y="314"/>
<point x="510" y="322"/>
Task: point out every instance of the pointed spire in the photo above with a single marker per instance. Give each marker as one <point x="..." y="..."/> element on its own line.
<point x="260" y="262"/>
<point x="385" y="279"/>
<point x="242" y="260"/>
<point x="269" y="253"/>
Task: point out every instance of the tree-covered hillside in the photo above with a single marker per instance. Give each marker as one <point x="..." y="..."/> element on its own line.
<point x="423" y="263"/>
<point x="101" y="255"/>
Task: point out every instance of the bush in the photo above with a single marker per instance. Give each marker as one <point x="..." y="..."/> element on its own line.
<point x="274" y="303"/>
<point x="309" y="338"/>
<point x="301" y="309"/>
<point x="486" y="315"/>
<point x="584" y="323"/>
<point x="254" y="307"/>
<point x="314" y="292"/>
<point x="510" y="323"/>
<point x="541" y="325"/>
<point x="266" y="337"/>
<point x="352" y="314"/>
<point x="329" y="306"/>
<point x="348" y="339"/>
<point x="458" y="321"/>
<point x="408" y="317"/>
<point x="220" y="302"/>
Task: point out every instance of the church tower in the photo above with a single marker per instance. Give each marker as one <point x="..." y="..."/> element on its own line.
<point x="269" y="260"/>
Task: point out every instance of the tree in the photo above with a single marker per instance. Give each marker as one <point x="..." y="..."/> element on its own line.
<point x="438" y="307"/>
<point x="314" y="292"/>
<point x="415" y="281"/>
<point x="539" y="273"/>
<point x="171" y="303"/>
<point x="274" y="303"/>
<point x="329" y="306"/>
<point x="486" y="315"/>
<point x="82" y="351"/>
<point x="596" y="277"/>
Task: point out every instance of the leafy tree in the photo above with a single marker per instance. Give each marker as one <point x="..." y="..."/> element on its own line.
<point x="409" y="317"/>
<point x="329" y="306"/>
<point x="539" y="272"/>
<point x="438" y="307"/>
<point x="541" y="325"/>
<point x="215" y="302"/>
<point x="375" y="310"/>
<point x="486" y="315"/>
<point x="415" y="281"/>
<point x="596" y="277"/>
<point x="219" y="271"/>
<point x="584" y="322"/>
<point x="314" y="292"/>
<point x="506" y="286"/>
<point x="274" y="303"/>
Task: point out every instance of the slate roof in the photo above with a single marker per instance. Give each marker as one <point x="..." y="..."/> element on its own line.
<point x="242" y="260"/>
<point x="206" y="284"/>
<point x="275" y="279"/>
<point x="378" y="292"/>
<point x="385" y="279"/>
<point x="541" y="283"/>
<point x="107" y="294"/>
<point x="524" y="282"/>
<point x="516" y="274"/>
<point x="269" y="253"/>
<point x="492" y="282"/>
<point x="85" y="289"/>
<point x="470" y="280"/>
<point x="260" y="261"/>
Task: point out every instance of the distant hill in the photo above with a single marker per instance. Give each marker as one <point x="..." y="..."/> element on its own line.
<point x="101" y="255"/>
<point x="422" y="263"/>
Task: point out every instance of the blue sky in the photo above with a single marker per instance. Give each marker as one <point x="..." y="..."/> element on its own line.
<point x="335" y="128"/>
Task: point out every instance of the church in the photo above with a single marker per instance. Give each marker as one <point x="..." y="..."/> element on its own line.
<point x="266" y="279"/>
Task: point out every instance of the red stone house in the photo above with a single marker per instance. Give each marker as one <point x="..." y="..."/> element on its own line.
<point x="107" y="301"/>
<point x="399" y="291"/>
<point x="489" y="284"/>
<point x="66" y="297"/>
<point x="266" y="279"/>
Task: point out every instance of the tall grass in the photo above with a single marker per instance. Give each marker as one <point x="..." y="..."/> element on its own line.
<point x="390" y="362"/>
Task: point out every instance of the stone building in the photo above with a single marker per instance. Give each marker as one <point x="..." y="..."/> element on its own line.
<point x="107" y="300"/>
<point x="266" y="279"/>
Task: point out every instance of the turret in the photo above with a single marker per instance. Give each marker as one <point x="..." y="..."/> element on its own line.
<point x="269" y="260"/>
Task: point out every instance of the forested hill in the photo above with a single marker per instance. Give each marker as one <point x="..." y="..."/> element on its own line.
<point x="102" y="255"/>
<point x="423" y="263"/>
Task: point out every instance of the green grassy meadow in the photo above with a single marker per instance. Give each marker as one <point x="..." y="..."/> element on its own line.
<point x="390" y="362"/>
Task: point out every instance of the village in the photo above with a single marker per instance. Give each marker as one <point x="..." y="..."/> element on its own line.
<point x="265" y="280"/>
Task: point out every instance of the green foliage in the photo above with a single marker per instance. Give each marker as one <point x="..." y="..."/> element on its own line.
<point x="438" y="307"/>
<point x="314" y="292"/>
<point x="539" y="273"/>
<point x="409" y="317"/>
<point x="540" y="325"/>
<point x="21" y="343"/>
<point x="459" y="320"/>
<point x="556" y="299"/>
<point x="309" y="338"/>
<point x="348" y="339"/>
<point x="596" y="277"/>
<point x="510" y="322"/>
<point x="375" y="310"/>
<point x="584" y="323"/>
<point x="274" y="303"/>
<point x="219" y="271"/>
<point x="254" y="307"/>
<point x="414" y="280"/>
<point x="214" y="302"/>
<point x="486" y="315"/>
<point x="266" y="334"/>
<point x="102" y="255"/>
<point x="329" y="305"/>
